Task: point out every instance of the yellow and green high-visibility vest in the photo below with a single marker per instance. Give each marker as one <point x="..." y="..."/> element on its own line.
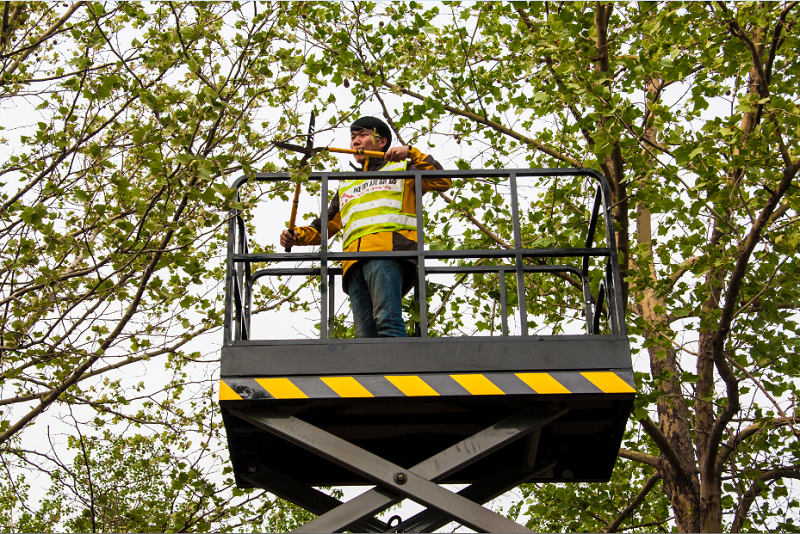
<point x="372" y="206"/>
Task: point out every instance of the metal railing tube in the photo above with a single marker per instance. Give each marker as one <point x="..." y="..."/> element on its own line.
<point x="423" y="291"/>
<point x="323" y="253"/>
<point x="521" y="299"/>
<point x="239" y="278"/>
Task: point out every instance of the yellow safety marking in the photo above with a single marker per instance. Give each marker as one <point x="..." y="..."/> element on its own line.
<point x="412" y="386"/>
<point x="543" y="383"/>
<point x="478" y="384"/>
<point x="609" y="382"/>
<point x="346" y="386"/>
<point x="226" y="392"/>
<point x="281" y="388"/>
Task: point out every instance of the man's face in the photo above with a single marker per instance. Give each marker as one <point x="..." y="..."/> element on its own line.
<point x="366" y="140"/>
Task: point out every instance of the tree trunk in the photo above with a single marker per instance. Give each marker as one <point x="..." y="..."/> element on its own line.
<point x="680" y="483"/>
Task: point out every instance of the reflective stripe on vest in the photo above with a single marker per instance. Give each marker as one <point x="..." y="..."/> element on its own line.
<point x="372" y="206"/>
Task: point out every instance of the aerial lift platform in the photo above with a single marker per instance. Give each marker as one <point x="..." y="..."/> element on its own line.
<point x="409" y="414"/>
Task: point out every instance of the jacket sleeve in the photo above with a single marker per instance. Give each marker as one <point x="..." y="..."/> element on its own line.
<point x="425" y="162"/>
<point x="311" y="235"/>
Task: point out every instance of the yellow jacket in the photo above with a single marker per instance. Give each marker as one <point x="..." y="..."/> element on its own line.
<point x="387" y="240"/>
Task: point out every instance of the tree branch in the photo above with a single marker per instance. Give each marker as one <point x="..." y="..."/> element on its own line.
<point x="683" y="268"/>
<point x="765" y="286"/>
<point x="490" y="123"/>
<point x="127" y="361"/>
<point x="728" y="310"/>
<point x="755" y="489"/>
<point x="779" y="212"/>
<point x="640" y="457"/>
<point x="66" y="152"/>
<point x="5" y="31"/>
<point x="763" y="79"/>
<point x="737" y="31"/>
<point x="186" y="52"/>
<point x="663" y="445"/>
<point x="626" y="513"/>
<point x="549" y="62"/>
<point x="494" y="237"/>
<point x="388" y="117"/>
<point x="49" y="32"/>
<point x="777" y="39"/>
<point x="729" y="447"/>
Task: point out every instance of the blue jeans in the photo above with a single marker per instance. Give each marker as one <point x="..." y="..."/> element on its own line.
<point x="376" y="293"/>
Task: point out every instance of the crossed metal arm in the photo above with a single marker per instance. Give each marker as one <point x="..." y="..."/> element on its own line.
<point x="394" y="483"/>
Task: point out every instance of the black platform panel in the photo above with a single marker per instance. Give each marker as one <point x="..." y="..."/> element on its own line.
<point x="406" y="417"/>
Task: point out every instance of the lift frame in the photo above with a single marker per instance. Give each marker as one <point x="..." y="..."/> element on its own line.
<point x="322" y="402"/>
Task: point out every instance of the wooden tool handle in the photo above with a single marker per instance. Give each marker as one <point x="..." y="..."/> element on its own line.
<point x="358" y="152"/>
<point x="293" y="216"/>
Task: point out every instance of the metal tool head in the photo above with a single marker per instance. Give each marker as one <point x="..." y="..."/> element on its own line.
<point x="293" y="148"/>
<point x="307" y="150"/>
<point x="310" y="140"/>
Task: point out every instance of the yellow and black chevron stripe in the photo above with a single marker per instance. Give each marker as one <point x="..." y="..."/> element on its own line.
<point x="428" y="385"/>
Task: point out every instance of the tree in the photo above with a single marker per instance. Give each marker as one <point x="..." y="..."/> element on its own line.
<point x="690" y="111"/>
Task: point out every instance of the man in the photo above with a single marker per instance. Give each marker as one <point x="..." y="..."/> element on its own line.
<point x="377" y="215"/>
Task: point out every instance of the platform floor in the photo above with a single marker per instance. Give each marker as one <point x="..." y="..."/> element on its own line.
<point x="408" y="400"/>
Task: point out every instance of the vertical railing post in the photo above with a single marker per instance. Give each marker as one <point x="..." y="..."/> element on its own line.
<point x="587" y="297"/>
<point x="611" y="291"/>
<point x="614" y="303"/>
<point x="331" y="303"/>
<point x="323" y="253"/>
<point x="248" y="288"/>
<point x="423" y="293"/>
<point x="503" y="301"/>
<point x="601" y="291"/>
<point x="227" y="320"/>
<point x="587" y="290"/>
<point x="238" y="283"/>
<point x="521" y="300"/>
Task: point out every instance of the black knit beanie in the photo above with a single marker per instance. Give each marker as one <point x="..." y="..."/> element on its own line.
<point x="372" y="123"/>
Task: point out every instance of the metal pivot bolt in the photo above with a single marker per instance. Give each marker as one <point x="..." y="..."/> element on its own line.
<point x="401" y="478"/>
<point x="394" y="523"/>
<point x="252" y="468"/>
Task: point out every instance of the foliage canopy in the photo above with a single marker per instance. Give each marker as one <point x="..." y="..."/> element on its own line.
<point x="135" y="116"/>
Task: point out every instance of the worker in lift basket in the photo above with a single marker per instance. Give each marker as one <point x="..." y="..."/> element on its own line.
<point x="377" y="215"/>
